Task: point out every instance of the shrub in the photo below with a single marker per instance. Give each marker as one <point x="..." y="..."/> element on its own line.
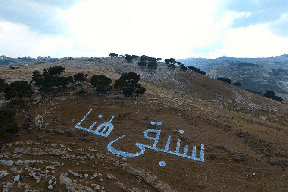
<point x="56" y="70"/>
<point x="80" y="77"/>
<point x="226" y="80"/>
<point x="3" y="85"/>
<point x="7" y="123"/>
<point x="271" y="94"/>
<point x="18" y="89"/>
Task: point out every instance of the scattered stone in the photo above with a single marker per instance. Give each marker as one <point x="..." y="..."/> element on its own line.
<point x="111" y="177"/>
<point x="6" y="163"/>
<point x="61" y="145"/>
<point x="58" y="132"/>
<point x="48" y="130"/>
<point x="16" y="178"/>
<point x="201" y="186"/>
<point x="50" y="187"/>
<point x="240" y="133"/>
<point x="3" y="173"/>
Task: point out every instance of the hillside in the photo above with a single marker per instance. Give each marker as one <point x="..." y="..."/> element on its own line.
<point x="244" y="135"/>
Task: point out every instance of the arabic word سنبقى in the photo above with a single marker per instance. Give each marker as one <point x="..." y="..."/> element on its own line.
<point x="100" y="130"/>
<point x="142" y="147"/>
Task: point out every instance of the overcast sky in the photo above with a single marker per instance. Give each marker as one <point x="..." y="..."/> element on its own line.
<point x="156" y="28"/>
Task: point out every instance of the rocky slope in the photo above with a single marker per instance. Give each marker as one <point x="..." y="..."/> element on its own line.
<point x="244" y="135"/>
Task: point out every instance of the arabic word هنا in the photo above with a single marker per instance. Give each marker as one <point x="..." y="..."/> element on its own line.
<point x="100" y="130"/>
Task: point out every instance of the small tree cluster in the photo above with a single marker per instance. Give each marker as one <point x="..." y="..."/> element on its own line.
<point x="151" y="62"/>
<point x="171" y="63"/>
<point x="271" y="95"/>
<point x="51" y="78"/>
<point x="130" y="58"/>
<point x="113" y="55"/>
<point x="192" y="68"/>
<point x="18" y="90"/>
<point x="128" y="82"/>
<point x="183" y="67"/>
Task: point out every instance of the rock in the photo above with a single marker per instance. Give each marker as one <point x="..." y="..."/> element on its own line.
<point x="240" y="133"/>
<point x="39" y="137"/>
<point x="212" y="156"/>
<point x="46" y="141"/>
<point x="85" y="176"/>
<point x="201" y="186"/>
<point x="3" y="173"/>
<point x="110" y="176"/>
<point x="237" y="158"/>
<point x="50" y="182"/>
<point x="6" y="163"/>
<point x="50" y="187"/>
<point x="58" y="132"/>
<point x="48" y="130"/>
<point x="16" y="178"/>
<point x="72" y="144"/>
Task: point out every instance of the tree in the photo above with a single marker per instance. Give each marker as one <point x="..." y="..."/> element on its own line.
<point x="226" y="80"/>
<point x="171" y="63"/>
<point x="101" y="82"/>
<point x="183" y="68"/>
<point x="55" y="70"/>
<point x="271" y="94"/>
<point x="142" y="61"/>
<point x="128" y="82"/>
<point x="130" y="58"/>
<point x="37" y="78"/>
<point x="7" y="122"/>
<point x="113" y="55"/>
<point x="3" y="85"/>
<point x="80" y="77"/>
<point x="18" y="89"/>
<point x="192" y="68"/>
<point x="152" y="63"/>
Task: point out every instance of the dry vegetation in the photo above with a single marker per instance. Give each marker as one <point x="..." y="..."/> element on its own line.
<point x="245" y="147"/>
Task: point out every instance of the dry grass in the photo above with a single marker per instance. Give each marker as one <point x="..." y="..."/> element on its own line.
<point x="202" y="122"/>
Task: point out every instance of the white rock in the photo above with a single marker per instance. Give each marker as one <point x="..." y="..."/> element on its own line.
<point x="50" y="187"/>
<point x="3" y="173"/>
<point x="16" y="178"/>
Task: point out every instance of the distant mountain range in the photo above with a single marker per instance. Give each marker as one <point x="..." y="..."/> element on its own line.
<point x="256" y="75"/>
